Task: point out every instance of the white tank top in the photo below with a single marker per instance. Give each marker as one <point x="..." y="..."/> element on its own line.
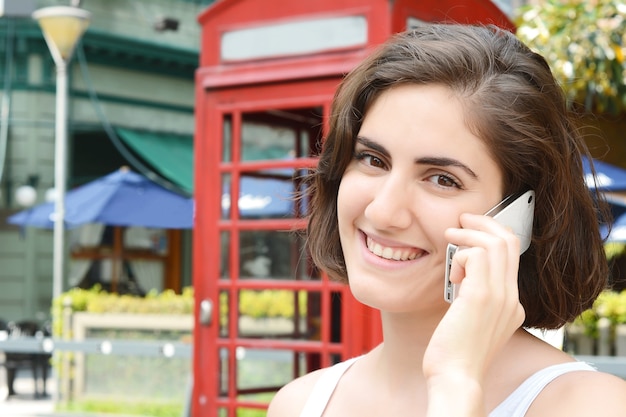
<point x="515" y="405"/>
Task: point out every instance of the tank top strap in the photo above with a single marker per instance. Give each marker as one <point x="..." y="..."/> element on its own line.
<point x="518" y="403"/>
<point x="324" y="388"/>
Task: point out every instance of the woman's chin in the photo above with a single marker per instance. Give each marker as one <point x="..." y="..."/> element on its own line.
<point x="395" y="297"/>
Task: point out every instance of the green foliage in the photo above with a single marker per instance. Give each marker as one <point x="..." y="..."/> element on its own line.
<point x="253" y="303"/>
<point x="247" y="412"/>
<point x="124" y="407"/>
<point x="589" y="320"/>
<point x="271" y="303"/>
<point x="96" y="300"/>
<point x="614" y="249"/>
<point x="610" y="305"/>
<point x="585" y="43"/>
<point x="251" y="412"/>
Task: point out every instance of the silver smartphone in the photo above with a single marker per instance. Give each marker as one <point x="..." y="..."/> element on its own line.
<point x="516" y="212"/>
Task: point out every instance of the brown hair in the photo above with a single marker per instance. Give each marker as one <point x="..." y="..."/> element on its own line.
<point x="514" y="104"/>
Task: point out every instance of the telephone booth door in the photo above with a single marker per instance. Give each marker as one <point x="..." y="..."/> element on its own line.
<point x="264" y="313"/>
<point x="267" y="314"/>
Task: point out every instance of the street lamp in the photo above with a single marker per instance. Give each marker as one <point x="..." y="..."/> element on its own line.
<point x="62" y="27"/>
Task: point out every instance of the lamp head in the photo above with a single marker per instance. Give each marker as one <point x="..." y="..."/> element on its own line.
<point x="62" y="27"/>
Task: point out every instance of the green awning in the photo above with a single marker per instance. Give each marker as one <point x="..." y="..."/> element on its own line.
<point x="170" y="154"/>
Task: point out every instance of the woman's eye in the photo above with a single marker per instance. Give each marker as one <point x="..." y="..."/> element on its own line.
<point x="370" y="160"/>
<point x="444" y="181"/>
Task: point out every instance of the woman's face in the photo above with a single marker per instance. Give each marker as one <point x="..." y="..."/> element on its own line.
<point x="416" y="168"/>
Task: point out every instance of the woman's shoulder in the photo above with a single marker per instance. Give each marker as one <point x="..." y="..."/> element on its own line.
<point x="290" y="399"/>
<point x="582" y="393"/>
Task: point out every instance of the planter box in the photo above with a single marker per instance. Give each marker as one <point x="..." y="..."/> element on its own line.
<point x="620" y="340"/>
<point x="119" y="376"/>
<point x="578" y="343"/>
<point x="611" y="340"/>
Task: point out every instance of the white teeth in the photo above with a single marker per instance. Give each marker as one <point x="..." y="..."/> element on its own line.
<point x="375" y="248"/>
<point x="390" y="253"/>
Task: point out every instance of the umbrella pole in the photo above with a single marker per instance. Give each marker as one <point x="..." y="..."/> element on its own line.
<point x="118" y="244"/>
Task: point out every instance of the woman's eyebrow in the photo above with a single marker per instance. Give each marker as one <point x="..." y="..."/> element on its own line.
<point x="445" y="162"/>
<point x="426" y="160"/>
<point x="372" y="145"/>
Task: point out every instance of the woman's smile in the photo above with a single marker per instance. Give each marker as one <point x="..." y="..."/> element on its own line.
<point x="393" y="253"/>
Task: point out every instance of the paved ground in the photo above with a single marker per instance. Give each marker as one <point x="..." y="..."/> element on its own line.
<point x="24" y="404"/>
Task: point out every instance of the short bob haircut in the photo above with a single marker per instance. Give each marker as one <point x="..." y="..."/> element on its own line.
<point x="512" y="102"/>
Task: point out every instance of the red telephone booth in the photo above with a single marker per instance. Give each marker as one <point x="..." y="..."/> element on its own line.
<point x="268" y="72"/>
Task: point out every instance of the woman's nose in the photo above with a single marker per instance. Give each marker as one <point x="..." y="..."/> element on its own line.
<point x="390" y="206"/>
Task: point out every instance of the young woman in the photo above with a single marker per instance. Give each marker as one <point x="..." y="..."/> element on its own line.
<point x="426" y="135"/>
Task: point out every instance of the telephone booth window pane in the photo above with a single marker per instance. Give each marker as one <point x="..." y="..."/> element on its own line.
<point x="273" y="254"/>
<point x="267" y="141"/>
<point x="225" y="255"/>
<point x="266" y="195"/>
<point x="283" y="314"/>
<point x="304" y="149"/>
<point x="223" y="313"/>
<point x="335" y="318"/>
<point x="261" y="372"/>
<point x="280" y="133"/>
<point x="227" y="138"/>
<point x="226" y="196"/>
<point x="223" y="373"/>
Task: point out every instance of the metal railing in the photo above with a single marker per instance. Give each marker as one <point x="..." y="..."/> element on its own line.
<point x="168" y="349"/>
<point x="143" y="348"/>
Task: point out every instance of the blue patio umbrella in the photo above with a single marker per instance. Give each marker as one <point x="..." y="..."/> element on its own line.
<point x="618" y="230"/>
<point x="610" y="180"/>
<point x="122" y="198"/>
<point x="608" y="177"/>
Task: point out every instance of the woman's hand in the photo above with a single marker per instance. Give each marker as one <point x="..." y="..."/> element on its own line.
<point x="480" y="321"/>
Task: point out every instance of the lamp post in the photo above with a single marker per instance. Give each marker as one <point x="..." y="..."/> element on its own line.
<point x="62" y="27"/>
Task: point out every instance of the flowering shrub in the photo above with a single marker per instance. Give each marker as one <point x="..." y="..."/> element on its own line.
<point x="252" y="303"/>
<point x="96" y="300"/>
<point x="610" y="305"/>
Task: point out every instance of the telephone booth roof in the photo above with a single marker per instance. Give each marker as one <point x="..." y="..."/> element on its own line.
<point x="240" y="32"/>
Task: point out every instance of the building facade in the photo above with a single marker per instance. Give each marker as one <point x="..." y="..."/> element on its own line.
<point x="131" y="93"/>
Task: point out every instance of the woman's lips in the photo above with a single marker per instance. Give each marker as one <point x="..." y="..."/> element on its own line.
<point x="392" y="253"/>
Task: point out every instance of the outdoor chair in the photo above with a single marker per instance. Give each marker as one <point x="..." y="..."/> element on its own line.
<point x="38" y="363"/>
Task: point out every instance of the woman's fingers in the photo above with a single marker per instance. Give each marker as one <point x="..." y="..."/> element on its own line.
<point x="489" y="264"/>
<point x="484" y="233"/>
<point x="487" y="310"/>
